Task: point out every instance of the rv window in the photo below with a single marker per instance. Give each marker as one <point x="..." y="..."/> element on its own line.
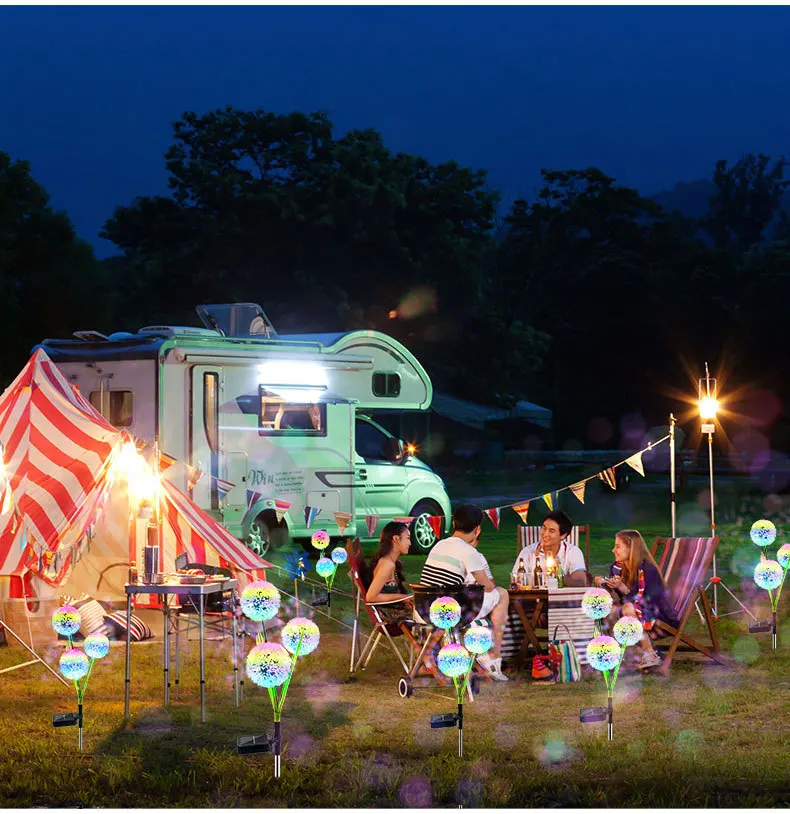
<point x="386" y="385"/>
<point x="278" y="417"/>
<point x="211" y="410"/>
<point x="371" y="442"/>
<point x="117" y="407"/>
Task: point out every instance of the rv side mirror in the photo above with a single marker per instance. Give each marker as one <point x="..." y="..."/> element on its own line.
<point x="393" y="450"/>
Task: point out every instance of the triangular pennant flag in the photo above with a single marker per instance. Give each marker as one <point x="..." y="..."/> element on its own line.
<point x="223" y="486"/>
<point x="252" y="497"/>
<point x="521" y="509"/>
<point x="280" y="508"/>
<point x="549" y="502"/>
<point x="165" y="461"/>
<point x="195" y="474"/>
<point x="310" y="514"/>
<point x="342" y="519"/>
<point x="635" y="462"/>
<point x="493" y="516"/>
<point x="436" y="522"/>
<point x="371" y="521"/>
<point x="578" y="490"/>
<point x="608" y="477"/>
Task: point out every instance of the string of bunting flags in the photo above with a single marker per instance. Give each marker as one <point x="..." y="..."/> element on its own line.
<point x="551" y="499"/>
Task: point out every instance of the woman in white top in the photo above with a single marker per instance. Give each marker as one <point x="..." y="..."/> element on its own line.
<point x="554" y="543"/>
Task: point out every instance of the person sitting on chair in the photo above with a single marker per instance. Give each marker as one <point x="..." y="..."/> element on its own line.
<point x="554" y="543"/>
<point x="454" y="562"/>
<point x="387" y="582"/>
<point x="637" y="584"/>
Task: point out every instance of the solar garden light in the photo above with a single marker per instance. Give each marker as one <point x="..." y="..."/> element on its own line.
<point x="769" y="574"/>
<point x="326" y="567"/>
<point x="271" y="665"/>
<point x="605" y="653"/>
<point x="76" y="664"/>
<point x="457" y="661"/>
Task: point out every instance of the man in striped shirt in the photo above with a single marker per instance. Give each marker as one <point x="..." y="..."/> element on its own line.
<point x="455" y="561"/>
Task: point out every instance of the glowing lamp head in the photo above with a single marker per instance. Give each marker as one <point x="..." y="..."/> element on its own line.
<point x="768" y="574"/>
<point x="453" y="660"/>
<point x="339" y="555"/>
<point x="301" y="628"/>
<point x="74" y="664"/>
<point x="763" y="532"/>
<point x="596" y="603"/>
<point x="260" y="601"/>
<point x="411" y="449"/>
<point x="783" y="555"/>
<point x="325" y="567"/>
<point x="603" y="653"/>
<point x="268" y="664"/>
<point x="708" y="407"/>
<point x="628" y="631"/>
<point x="445" y="612"/>
<point x="66" y="620"/>
<point x="96" y="646"/>
<point x="478" y="639"/>
<point x="320" y="539"/>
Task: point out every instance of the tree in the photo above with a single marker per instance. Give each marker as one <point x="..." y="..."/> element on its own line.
<point x="49" y="279"/>
<point x="748" y="197"/>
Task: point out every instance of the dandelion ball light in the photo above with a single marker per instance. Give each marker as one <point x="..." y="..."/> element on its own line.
<point x="768" y="574"/>
<point x="268" y="664"/>
<point x="325" y="567"/>
<point x="96" y="646"/>
<point x="453" y="660"/>
<point x="603" y="653"/>
<point x="66" y="620"/>
<point x="783" y="555"/>
<point x="74" y="664"/>
<point x="339" y="555"/>
<point x="763" y="532"/>
<point x="306" y="629"/>
<point x="478" y="639"/>
<point x="320" y="539"/>
<point x="628" y="631"/>
<point x="260" y="601"/>
<point x="445" y="612"/>
<point x="596" y="603"/>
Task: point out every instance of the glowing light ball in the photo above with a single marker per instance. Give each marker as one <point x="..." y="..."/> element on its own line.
<point x="74" y="664"/>
<point x="768" y="574"/>
<point x="596" y="603"/>
<point x="628" y="631"/>
<point x="445" y="612"/>
<point x="478" y="639"/>
<point x="66" y="620"/>
<point x="268" y="664"/>
<point x="339" y="555"/>
<point x="783" y="555"/>
<point x="260" y="601"/>
<point x="453" y="660"/>
<point x="763" y="532"/>
<point x="96" y="646"/>
<point x="325" y="567"/>
<point x="320" y="539"/>
<point x="294" y="629"/>
<point x="603" y="653"/>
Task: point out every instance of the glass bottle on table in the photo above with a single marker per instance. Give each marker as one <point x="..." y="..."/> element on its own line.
<point x="133" y="575"/>
<point x="521" y="576"/>
<point x="538" y="576"/>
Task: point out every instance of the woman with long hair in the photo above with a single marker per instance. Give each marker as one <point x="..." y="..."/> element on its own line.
<point x="637" y="583"/>
<point x="386" y="584"/>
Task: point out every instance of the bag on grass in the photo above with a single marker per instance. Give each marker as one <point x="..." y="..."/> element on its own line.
<point x="564" y="659"/>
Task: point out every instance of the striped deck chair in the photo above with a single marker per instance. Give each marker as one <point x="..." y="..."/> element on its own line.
<point x="684" y="563"/>
<point x="527" y="535"/>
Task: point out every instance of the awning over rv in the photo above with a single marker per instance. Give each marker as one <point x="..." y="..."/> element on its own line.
<point x="476" y="415"/>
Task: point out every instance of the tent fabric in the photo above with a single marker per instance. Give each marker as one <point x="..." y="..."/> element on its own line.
<point x="68" y="523"/>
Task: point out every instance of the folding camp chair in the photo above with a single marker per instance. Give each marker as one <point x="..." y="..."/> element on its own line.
<point x="528" y="535"/>
<point x="360" y="578"/>
<point x="684" y="563"/>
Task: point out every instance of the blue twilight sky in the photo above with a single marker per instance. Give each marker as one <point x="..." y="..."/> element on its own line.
<point x="651" y="95"/>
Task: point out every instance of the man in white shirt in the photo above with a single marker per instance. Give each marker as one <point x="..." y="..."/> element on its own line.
<point x="455" y="561"/>
<point x="554" y="543"/>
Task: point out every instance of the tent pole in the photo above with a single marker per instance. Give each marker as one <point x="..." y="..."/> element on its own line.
<point x="32" y="653"/>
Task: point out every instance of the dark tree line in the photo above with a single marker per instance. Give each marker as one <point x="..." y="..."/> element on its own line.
<point x="590" y="299"/>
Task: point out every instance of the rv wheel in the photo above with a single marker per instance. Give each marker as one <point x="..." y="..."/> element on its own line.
<point x="421" y="532"/>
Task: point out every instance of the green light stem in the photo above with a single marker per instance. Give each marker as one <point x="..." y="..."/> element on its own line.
<point x="466" y="681"/>
<point x="273" y="699"/>
<point x="281" y="700"/>
<point x="81" y="692"/>
<point x="779" y="589"/>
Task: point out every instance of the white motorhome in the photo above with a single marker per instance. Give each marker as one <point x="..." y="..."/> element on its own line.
<point x="280" y="417"/>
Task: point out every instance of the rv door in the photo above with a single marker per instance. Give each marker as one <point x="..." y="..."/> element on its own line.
<point x="204" y="438"/>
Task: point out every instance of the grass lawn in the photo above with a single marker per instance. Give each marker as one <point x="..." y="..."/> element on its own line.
<point x="706" y="736"/>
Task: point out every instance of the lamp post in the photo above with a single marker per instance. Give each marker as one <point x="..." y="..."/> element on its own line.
<point x="708" y="407"/>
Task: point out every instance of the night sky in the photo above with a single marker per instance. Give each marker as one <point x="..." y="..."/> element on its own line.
<point x="651" y="95"/>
